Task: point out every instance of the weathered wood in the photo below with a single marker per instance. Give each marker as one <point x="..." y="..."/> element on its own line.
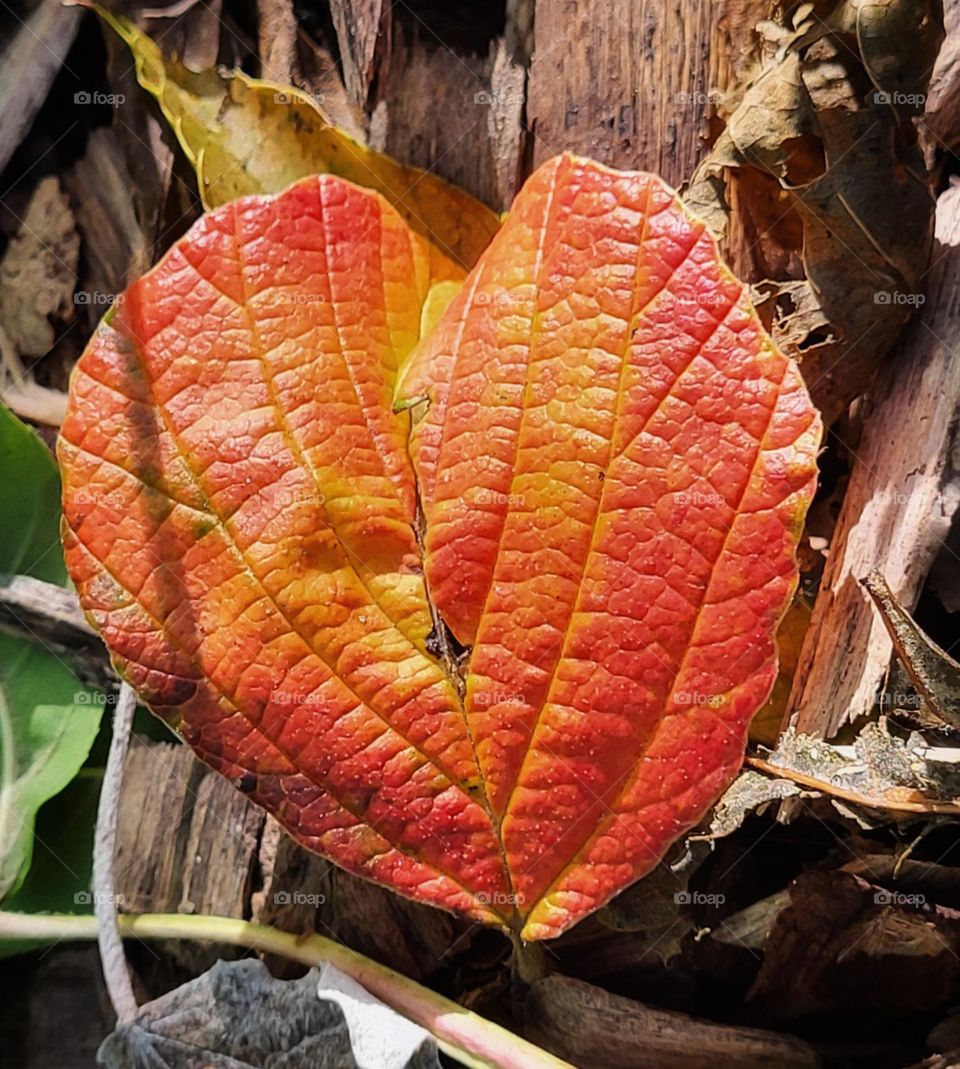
<point x="38" y="271"/>
<point x="950" y="1060"/>
<point x="29" y="62"/>
<point x="894" y="516"/>
<point x="303" y="892"/>
<point x="277" y="40"/>
<point x="363" y="30"/>
<point x="49" y="614"/>
<point x="189" y="842"/>
<point x="54" y="1010"/>
<point x="147" y="147"/>
<point x="51" y="611"/>
<point x="186" y="840"/>
<point x="942" y="112"/>
<point x="626" y="83"/>
<point x="459" y="116"/>
<point x="115" y="248"/>
<point x="597" y="1030"/>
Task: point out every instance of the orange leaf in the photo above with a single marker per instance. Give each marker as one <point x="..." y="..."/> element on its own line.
<point x="613" y="462"/>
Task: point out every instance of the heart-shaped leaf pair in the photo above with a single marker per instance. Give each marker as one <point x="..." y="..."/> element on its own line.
<point x="280" y="503"/>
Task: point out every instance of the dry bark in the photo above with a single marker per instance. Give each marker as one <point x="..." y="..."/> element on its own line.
<point x="894" y="516"/>
<point x="29" y="62"/>
<point x="647" y="109"/>
<point x="597" y="1030"/>
<point x="186" y="841"/>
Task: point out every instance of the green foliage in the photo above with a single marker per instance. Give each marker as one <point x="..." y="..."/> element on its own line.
<point x="48" y="721"/>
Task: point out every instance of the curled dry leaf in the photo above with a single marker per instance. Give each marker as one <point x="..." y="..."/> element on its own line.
<point x="841" y="942"/>
<point x="237" y="1016"/>
<point x="596" y="480"/>
<point x="833" y="209"/>
<point x="879" y="772"/>
<point x="934" y="673"/>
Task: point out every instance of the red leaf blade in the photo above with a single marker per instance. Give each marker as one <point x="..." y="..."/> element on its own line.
<point x="613" y="471"/>
<point x="248" y="551"/>
<point x="640" y="457"/>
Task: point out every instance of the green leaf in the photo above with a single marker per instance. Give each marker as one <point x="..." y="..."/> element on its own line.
<point x="47" y="725"/>
<point x="29" y="504"/>
<point x="48" y="721"/>
<point x="61" y="869"/>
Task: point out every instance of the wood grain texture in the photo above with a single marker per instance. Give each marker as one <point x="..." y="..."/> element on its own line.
<point x="277" y="40"/>
<point x="363" y="30"/>
<point x="186" y="840"/>
<point x="30" y="59"/>
<point x="942" y="113"/>
<point x="460" y="116"/>
<point x="597" y="1030"/>
<point x="625" y="83"/>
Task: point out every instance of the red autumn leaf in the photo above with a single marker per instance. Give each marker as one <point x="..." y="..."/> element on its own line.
<point x="611" y="462"/>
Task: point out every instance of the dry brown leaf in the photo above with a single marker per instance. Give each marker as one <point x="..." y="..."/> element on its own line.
<point x="39" y="271"/>
<point x="934" y="673"/>
<point x="830" y="198"/>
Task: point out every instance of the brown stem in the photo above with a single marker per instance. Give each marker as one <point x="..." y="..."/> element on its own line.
<point x="530" y="962"/>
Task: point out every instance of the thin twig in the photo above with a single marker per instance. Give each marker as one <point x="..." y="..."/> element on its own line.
<point x="112" y="957"/>
<point x="50" y="615"/>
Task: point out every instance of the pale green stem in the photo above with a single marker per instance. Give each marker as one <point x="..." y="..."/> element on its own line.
<point x="472" y="1040"/>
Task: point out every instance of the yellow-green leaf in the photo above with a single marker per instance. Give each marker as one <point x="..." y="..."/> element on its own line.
<point x="246" y="136"/>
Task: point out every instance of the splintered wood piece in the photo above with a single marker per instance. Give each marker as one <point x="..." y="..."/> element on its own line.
<point x="894" y="516"/>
